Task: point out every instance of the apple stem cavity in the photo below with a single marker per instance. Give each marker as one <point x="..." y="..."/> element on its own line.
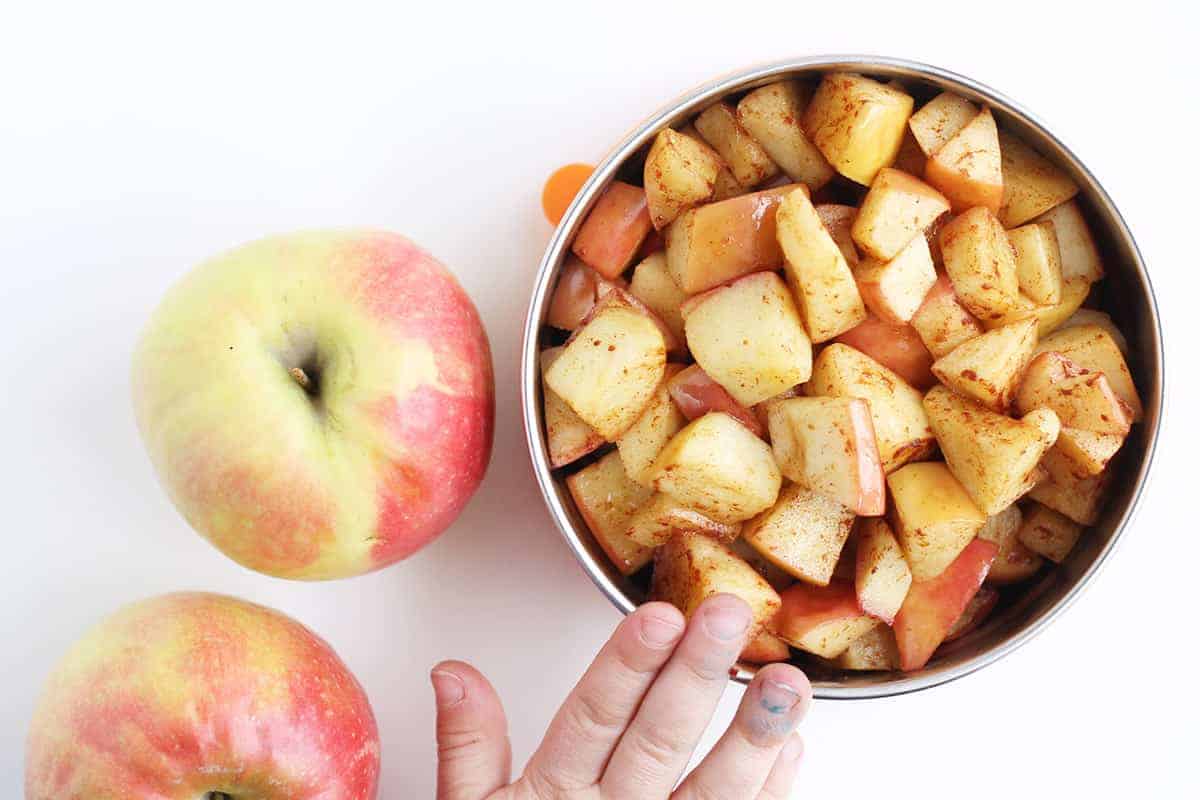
<point x="217" y="796"/>
<point x="306" y="384"/>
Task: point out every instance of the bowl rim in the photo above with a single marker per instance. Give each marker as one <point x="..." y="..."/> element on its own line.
<point x="630" y="144"/>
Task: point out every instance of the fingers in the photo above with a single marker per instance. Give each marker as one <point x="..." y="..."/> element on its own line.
<point x="582" y="736"/>
<point x="474" y="757"/>
<point x="783" y="774"/>
<point x="744" y="757"/>
<point x="655" y="750"/>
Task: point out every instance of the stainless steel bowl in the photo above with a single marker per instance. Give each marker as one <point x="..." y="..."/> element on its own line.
<point x="1127" y="295"/>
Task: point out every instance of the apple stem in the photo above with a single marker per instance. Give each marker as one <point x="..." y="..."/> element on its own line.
<point x="301" y="378"/>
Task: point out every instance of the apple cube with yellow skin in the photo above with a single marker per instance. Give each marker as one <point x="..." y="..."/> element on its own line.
<point x="987" y="369"/>
<point x="574" y="295"/>
<point x="895" y="211"/>
<point x="839" y="222"/>
<point x="802" y="534"/>
<point x="607" y="499"/>
<point x="1080" y="398"/>
<point x="894" y="345"/>
<point x="1032" y="185"/>
<point x="662" y="516"/>
<point x="720" y="241"/>
<point x="874" y="651"/>
<point x="828" y="444"/>
<point x="679" y="173"/>
<point x="857" y="124"/>
<point x="966" y="169"/>
<point x="1049" y="533"/>
<point x="718" y="467"/>
<point x="932" y="515"/>
<point x="1039" y="270"/>
<point x="1014" y="561"/>
<point x="1087" y="452"/>
<point x="933" y="606"/>
<point x="614" y="229"/>
<point x="653" y="285"/>
<point x="1078" y="498"/>
<point x="980" y="263"/>
<point x="940" y="120"/>
<point x="611" y="367"/>
<point x="772" y="115"/>
<point x="660" y="420"/>
<point x="196" y="695"/>
<point x="749" y="338"/>
<point x="1091" y="347"/>
<point x="976" y="612"/>
<point x="942" y="321"/>
<point x="747" y="160"/>
<point x="822" y="620"/>
<point x="994" y="456"/>
<point x="881" y="575"/>
<point x="824" y="287"/>
<point x="568" y="438"/>
<point x="317" y="404"/>
<point x="766" y="648"/>
<point x="690" y="569"/>
<point x="902" y="431"/>
<point x="895" y="289"/>
<point x="1090" y="316"/>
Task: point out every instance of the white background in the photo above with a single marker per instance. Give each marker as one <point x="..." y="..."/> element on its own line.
<point x="134" y="141"/>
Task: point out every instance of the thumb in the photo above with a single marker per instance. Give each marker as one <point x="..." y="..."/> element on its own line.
<point x="474" y="756"/>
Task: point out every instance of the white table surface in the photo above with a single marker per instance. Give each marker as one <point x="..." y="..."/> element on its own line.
<point x="135" y="140"/>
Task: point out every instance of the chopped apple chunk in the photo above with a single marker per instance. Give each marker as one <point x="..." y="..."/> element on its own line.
<point x="828" y="444"/>
<point x="966" y="169"/>
<point x="746" y="158"/>
<point x="994" y="457"/>
<point x="1080" y="398"/>
<point x="895" y="289"/>
<point x="802" y="534"/>
<point x="1039" y="271"/>
<point x="1093" y="349"/>
<point x="696" y="394"/>
<point x="679" y="173"/>
<point x="980" y="263"/>
<point x="1049" y="533"/>
<point x="661" y="516"/>
<point x="987" y="369"/>
<point x="940" y="120"/>
<point x="653" y="285"/>
<point x="1032" y="185"/>
<point x="825" y="290"/>
<point x="1077" y="252"/>
<point x="895" y="211"/>
<point x="640" y="445"/>
<point x="772" y="115"/>
<point x="614" y="229"/>
<point x="942" y="321"/>
<point x="609" y="369"/>
<point x="882" y="575"/>
<point x="690" y="569"/>
<point x="839" y="221"/>
<point x="718" y="467"/>
<point x="607" y="499"/>
<point x="894" y="345"/>
<point x="933" y="515"/>
<point x="1088" y="452"/>
<point x="568" y="438"/>
<point x="766" y="648"/>
<point x="749" y="338"/>
<point x="857" y="124"/>
<point x="902" y="431"/>
<point x="976" y="612"/>
<point x="822" y="620"/>
<point x="874" y="651"/>
<point x="1014" y="561"/>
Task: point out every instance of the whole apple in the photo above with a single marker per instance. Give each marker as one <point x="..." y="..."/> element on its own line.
<point x="190" y="696"/>
<point x="319" y="404"/>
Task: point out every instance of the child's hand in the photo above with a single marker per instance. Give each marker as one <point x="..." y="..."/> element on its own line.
<point x="628" y="729"/>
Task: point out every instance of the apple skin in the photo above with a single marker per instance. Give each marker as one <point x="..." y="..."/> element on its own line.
<point x="184" y="694"/>
<point x="370" y="466"/>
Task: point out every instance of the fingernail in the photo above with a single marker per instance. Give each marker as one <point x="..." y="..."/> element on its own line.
<point x="778" y="698"/>
<point x="793" y="749"/>
<point x="659" y="633"/>
<point x="727" y="621"/>
<point x="448" y="688"/>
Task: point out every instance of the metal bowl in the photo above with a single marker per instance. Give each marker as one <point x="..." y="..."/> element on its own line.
<point x="1127" y="296"/>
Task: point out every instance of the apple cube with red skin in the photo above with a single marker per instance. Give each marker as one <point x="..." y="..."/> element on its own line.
<point x="574" y="295"/>
<point x="614" y="229"/>
<point x="1092" y="347"/>
<point x="895" y="289"/>
<point x="874" y="651"/>
<point x="689" y="569"/>
<point x="1080" y="398"/>
<point x="976" y="612"/>
<point x="895" y="211"/>
<point x="749" y="338"/>
<point x="828" y="444"/>
<point x="896" y="346"/>
<point x="662" y="516"/>
<point x="822" y="620"/>
<point x="881" y="576"/>
<point x="766" y="648"/>
<point x="720" y="241"/>
<point x="942" y="321"/>
<point x="607" y="499"/>
<point x="695" y="394"/>
<point x="932" y="515"/>
<point x="802" y="534"/>
<point x="1014" y="561"/>
<point x="660" y="420"/>
<point x="934" y="605"/>
<point x="1049" y="533"/>
<point x="966" y="169"/>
